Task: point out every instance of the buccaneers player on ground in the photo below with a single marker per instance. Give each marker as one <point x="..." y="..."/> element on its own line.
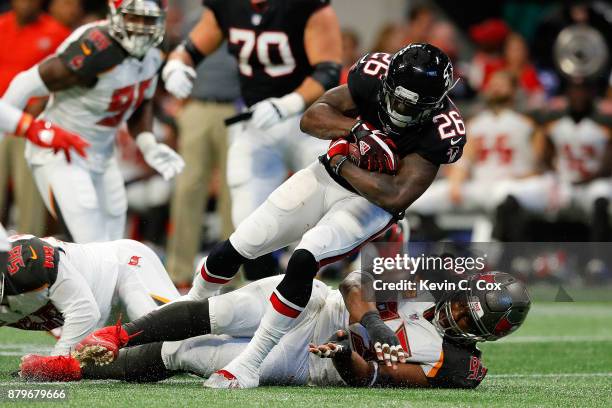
<point x="439" y="332"/>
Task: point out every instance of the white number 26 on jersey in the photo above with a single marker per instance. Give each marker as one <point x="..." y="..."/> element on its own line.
<point x="249" y="42"/>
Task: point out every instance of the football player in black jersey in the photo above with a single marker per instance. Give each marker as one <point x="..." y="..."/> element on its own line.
<point x="334" y="207"/>
<point x="288" y="54"/>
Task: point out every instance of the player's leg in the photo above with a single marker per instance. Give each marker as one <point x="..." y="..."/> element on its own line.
<point x="70" y="196"/>
<point x="110" y="189"/>
<point x="283" y="218"/>
<point x="142" y="283"/>
<point x="349" y="223"/>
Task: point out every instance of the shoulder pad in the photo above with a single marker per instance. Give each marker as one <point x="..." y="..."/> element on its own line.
<point x="364" y="77"/>
<point x="92" y="53"/>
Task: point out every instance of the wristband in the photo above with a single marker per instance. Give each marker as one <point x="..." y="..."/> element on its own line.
<point x="146" y="141"/>
<point x="370" y="318"/>
<point x="193" y="51"/>
<point x="336" y="169"/>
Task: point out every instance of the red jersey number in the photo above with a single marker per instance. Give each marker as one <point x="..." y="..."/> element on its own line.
<point x="122" y="100"/>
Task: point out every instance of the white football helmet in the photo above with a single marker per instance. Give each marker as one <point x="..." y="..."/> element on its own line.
<point x="137" y="25"/>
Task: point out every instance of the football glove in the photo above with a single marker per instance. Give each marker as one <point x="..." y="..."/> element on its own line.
<point x="386" y="344"/>
<point x="46" y="134"/>
<point x="337" y="346"/>
<point x="159" y="156"/>
<point x="273" y="111"/>
<point x="178" y="78"/>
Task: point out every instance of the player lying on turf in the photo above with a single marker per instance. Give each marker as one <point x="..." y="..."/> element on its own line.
<point x="49" y="284"/>
<point x="439" y="337"/>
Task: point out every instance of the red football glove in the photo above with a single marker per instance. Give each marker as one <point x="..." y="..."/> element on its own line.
<point x="46" y="134"/>
<point x="374" y="152"/>
<point x="338" y="147"/>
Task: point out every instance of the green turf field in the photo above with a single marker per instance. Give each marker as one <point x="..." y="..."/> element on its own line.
<point x="561" y="357"/>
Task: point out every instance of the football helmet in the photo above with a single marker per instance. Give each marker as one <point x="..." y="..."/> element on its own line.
<point x="137" y="25"/>
<point x="419" y="78"/>
<point x="493" y="311"/>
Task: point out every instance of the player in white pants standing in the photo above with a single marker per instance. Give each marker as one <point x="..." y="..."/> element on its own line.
<point x="102" y="76"/>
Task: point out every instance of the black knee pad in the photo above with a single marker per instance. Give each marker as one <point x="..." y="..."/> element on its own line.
<point x="296" y="286"/>
<point x="601" y="206"/>
<point x="224" y="260"/>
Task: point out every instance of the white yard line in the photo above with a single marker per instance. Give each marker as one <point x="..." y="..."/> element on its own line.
<point x="554" y="339"/>
<point x="549" y="375"/>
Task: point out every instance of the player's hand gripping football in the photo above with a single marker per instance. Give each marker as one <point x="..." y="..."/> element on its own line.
<point x="178" y="78"/>
<point x="372" y="150"/>
<point x="159" y="156"/>
<point x="337" y="346"/>
<point x="46" y="134"/>
<point x="386" y="344"/>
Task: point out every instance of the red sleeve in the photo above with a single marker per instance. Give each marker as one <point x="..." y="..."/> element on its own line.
<point x="529" y="79"/>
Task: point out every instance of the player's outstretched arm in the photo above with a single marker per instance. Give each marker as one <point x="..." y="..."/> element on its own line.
<point x="357" y="372"/>
<point x="178" y="73"/>
<point x="332" y="116"/>
<point x="386" y="344"/>
<point x="393" y="193"/>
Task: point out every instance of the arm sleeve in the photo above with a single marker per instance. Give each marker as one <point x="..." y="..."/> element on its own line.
<point x="72" y="297"/>
<point x="9" y="118"/>
<point x="27" y="84"/>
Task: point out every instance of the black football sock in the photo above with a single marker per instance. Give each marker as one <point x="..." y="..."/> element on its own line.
<point x="176" y="321"/>
<point x="259" y="268"/>
<point x="224" y="260"/>
<point x="296" y="286"/>
<point x="136" y="364"/>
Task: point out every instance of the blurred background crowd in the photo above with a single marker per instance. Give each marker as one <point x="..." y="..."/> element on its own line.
<point x="510" y="55"/>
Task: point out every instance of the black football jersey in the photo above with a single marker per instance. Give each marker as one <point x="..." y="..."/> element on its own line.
<point x="440" y="139"/>
<point x="269" y="46"/>
<point x="460" y="366"/>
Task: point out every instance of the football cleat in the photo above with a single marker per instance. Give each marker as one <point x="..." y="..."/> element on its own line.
<point x="102" y="346"/>
<point x="49" y="368"/>
<point x="226" y="380"/>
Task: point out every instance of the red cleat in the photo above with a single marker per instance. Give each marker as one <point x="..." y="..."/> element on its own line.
<point x="49" y="368"/>
<point x="101" y="346"/>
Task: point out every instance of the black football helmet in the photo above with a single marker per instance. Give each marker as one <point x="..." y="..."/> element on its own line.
<point x="493" y="312"/>
<point x="419" y="78"/>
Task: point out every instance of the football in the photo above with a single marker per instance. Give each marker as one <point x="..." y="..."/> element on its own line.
<point x="374" y="152"/>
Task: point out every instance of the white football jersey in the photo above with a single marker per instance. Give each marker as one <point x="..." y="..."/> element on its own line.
<point x="503" y="145"/>
<point x="418" y="336"/>
<point x="121" y="83"/>
<point x="579" y="147"/>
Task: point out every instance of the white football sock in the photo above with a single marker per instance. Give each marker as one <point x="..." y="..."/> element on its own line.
<point x="279" y="318"/>
<point x="205" y="284"/>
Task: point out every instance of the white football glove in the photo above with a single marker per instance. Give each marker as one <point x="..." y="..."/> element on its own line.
<point x="159" y="156"/>
<point x="178" y="78"/>
<point x="272" y="111"/>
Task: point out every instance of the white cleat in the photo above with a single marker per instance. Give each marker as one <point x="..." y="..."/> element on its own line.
<point x="223" y="379"/>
